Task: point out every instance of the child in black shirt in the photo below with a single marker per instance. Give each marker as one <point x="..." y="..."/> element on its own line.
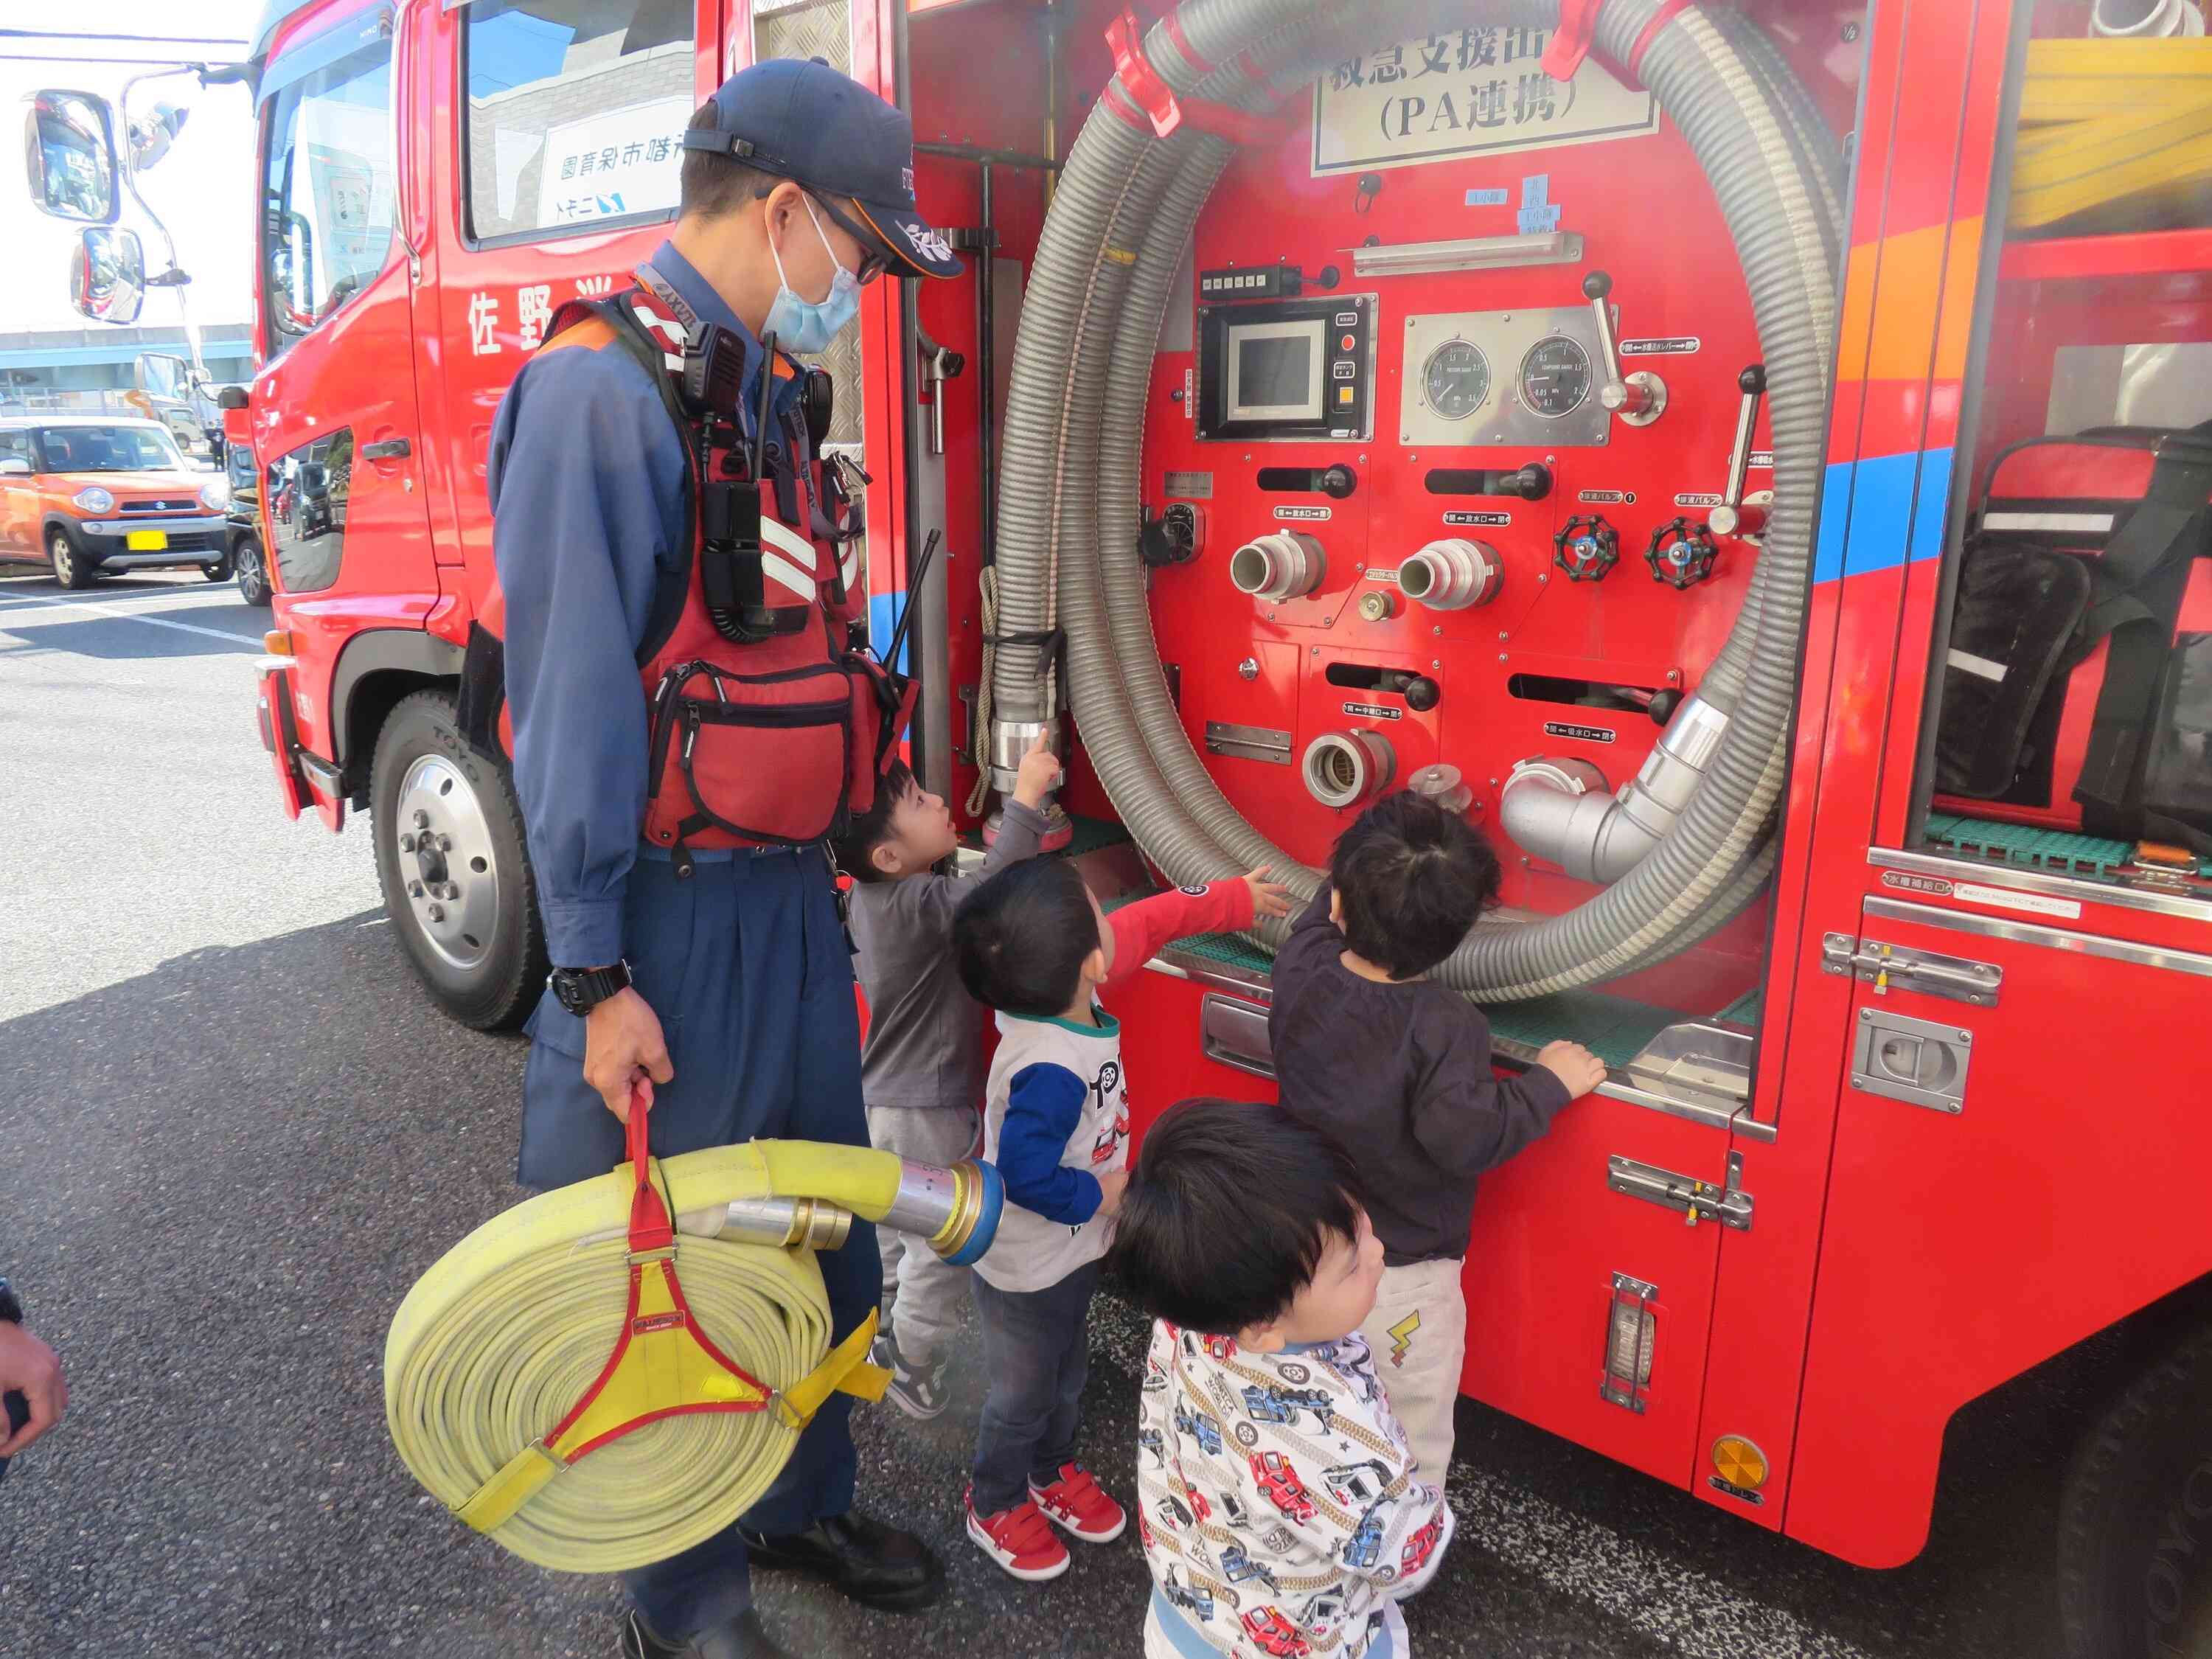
<point x="1398" y="1068"/>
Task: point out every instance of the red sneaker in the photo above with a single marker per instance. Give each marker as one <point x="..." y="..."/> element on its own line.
<point x="1076" y="1504"/>
<point x="1018" y="1539"/>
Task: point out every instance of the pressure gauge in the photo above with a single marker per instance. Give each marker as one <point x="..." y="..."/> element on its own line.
<point x="1456" y="378"/>
<point x="1555" y="377"/>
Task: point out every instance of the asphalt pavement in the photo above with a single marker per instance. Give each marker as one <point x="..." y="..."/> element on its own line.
<point x="235" y="1133"/>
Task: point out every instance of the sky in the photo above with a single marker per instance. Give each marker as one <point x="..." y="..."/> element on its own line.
<point x="203" y="189"/>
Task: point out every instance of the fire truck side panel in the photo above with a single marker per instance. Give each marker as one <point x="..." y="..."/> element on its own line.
<point x="1889" y="447"/>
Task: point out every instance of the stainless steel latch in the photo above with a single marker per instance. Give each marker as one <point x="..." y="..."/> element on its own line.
<point x="1961" y="979"/>
<point x="1698" y="1200"/>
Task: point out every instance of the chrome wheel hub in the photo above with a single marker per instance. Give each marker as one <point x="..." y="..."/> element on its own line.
<point x="445" y="858"/>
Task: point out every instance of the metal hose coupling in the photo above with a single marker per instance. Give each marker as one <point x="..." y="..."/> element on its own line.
<point x="1344" y="768"/>
<point x="1557" y="808"/>
<point x="1452" y="573"/>
<point x="1287" y="565"/>
<point x="955" y="1208"/>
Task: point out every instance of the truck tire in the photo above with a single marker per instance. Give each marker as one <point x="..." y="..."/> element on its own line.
<point x="458" y="886"/>
<point x="253" y="572"/>
<point x="71" y="568"/>
<point x="2134" y="1530"/>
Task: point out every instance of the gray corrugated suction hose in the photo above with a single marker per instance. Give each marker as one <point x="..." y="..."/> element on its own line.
<point x="1126" y="204"/>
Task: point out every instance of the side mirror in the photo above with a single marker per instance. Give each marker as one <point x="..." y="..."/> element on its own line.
<point x="107" y="276"/>
<point x="232" y="397"/>
<point x="14" y="467"/>
<point x="162" y="375"/>
<point x="69" y="156"/>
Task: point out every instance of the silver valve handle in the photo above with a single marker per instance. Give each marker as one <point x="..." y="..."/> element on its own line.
<point x="1734" y="516"/>
<point x="1639" y="398"/>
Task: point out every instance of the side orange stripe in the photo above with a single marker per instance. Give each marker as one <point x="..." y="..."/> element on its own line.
<point x="1927" y="292"/>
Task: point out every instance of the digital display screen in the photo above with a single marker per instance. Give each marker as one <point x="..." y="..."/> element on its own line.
<point x="1278" y="371"/>
<point x="1275" y="371"/>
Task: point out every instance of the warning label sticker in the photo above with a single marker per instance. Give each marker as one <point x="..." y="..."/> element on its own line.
<point x="1190" y="486"/>
<point x="1498" y="519"/>
<point x="1681" y="345"/>
<point x="1609" y="497"/>
<point x="1375" y="711"/>
<point x="1300" y="514"/>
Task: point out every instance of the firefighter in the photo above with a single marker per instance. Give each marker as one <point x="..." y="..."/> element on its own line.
<point x="710" y="976"/>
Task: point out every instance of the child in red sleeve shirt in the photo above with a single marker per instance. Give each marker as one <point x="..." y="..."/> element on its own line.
<point x="1031" y="943"/>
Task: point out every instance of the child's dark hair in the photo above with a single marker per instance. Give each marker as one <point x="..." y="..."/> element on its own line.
<point x="854" y="849"/>
<point x="1228" y="1211"/>
<point x="1414" y="878"/>
<point x="1020" y="939"/>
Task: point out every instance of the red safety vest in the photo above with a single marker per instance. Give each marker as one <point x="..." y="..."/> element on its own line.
<point x="767" y="727"/>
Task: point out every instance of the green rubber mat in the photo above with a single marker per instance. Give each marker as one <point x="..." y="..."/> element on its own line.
<point x="2024" y="844"/>
<point x="1231" y="949"/>
<point x="1745" y="1010"/>
<point x="1614" y="1029"/>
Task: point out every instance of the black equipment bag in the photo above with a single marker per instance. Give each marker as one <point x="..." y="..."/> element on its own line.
<point x="2067" y="657"/>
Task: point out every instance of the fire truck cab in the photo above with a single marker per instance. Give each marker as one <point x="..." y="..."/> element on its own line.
<point x="1597" y="415"/>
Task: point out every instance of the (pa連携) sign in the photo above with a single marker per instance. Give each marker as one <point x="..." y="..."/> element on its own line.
<point x="1465" y="92"/>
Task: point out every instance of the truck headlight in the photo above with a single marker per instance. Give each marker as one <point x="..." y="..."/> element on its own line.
<point x="93" y="499"/>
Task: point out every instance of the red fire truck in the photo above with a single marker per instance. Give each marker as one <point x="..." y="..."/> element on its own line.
<point x="1656" y="430"/>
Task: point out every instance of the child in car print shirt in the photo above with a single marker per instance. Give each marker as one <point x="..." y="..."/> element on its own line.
<point x="1277" y="1500"/>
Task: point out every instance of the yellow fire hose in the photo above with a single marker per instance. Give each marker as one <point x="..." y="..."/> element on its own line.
<point x="609" y="1373"/>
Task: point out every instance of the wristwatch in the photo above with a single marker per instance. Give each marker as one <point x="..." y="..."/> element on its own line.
<point x="582" y="989"/>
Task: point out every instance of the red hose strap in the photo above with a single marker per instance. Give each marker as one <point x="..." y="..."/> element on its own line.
<point x="1168" y="113"/>
<point x="1571" y="41"/>
<point x="1667" y="12"/>
<point x="1173" y="24"/>
<point x="650" y="1227"/>
<point x="1576" y="35"/>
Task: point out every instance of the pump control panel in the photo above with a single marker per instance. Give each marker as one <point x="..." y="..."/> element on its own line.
<point x="1297" y="369"/>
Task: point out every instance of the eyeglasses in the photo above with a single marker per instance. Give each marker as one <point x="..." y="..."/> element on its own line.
<point x="873" y="265"/>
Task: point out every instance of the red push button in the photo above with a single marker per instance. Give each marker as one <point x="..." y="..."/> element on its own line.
<point x="1348" y="343"/>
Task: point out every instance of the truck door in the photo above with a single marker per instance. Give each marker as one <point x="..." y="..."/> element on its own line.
<point x="563" y="179"/>
<point x="336" y="423"/>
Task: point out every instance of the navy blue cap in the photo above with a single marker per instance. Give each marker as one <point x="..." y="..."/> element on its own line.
<point x="801" y="121"/>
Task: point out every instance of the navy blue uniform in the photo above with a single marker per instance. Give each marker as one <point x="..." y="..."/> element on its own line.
<point x="745" y="963"/>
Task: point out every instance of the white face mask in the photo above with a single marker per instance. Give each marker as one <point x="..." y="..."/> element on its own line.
<point x="809" y="325"/>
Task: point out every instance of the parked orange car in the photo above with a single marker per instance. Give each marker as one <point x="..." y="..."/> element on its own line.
<point x="86" y="494"/>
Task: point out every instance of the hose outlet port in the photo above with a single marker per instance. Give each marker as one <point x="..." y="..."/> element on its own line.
<point x="1452" y="575"/>
<point x="1287" y="565"/>
<point x="1346" y="768"/>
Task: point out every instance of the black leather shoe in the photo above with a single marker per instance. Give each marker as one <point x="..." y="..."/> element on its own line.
<point x="871" y="1562"/>
<point x="742" y="1637"/>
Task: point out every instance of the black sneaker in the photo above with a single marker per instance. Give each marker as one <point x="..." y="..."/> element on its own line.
<point x="916" y="1389"/>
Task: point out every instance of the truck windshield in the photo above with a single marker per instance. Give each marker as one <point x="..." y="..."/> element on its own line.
<point x="327" y="218"/>
<point x="108" y="449"/>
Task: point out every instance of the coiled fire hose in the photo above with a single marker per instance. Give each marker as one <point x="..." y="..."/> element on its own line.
<point x="609" y="1373"/>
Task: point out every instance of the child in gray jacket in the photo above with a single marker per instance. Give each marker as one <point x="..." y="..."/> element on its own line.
<point x="921" y="1066"/>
